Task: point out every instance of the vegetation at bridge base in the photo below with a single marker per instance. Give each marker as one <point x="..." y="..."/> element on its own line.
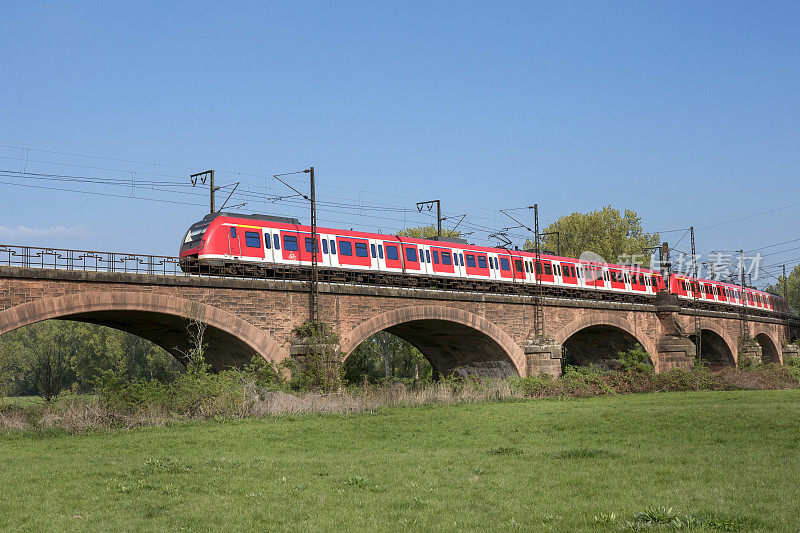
<point x="702" y="461"/>
<point x="319" y="383"/>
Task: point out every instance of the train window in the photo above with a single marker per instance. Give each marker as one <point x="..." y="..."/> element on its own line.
<point x="373" y="250"/>
<point x="538" y="267"/>
<point x="361" y="249"/>
<point x="309" y="245"/>
<point x="391" y="252"/>
<point x="504" y="264"/>
<point x="461" y="259"/>
<point x="233" y="232"/>
<point x="252" y="239"/>
<point x="548" y="270"/>
<point x="267" y="241"/>
<point x="333" y="247"/>
<point x="345" y="248"/>
<point x="324" y="246"/>
<point x="518" y="265"/>
<point x="496" y="267"/>
<point x="435" y="257"/>
<point x="276" y="240"/>
<point x="411" y="255"/>
<point x="428" y="256"/>
<point x="290" y="243"/>
<point x="470" y="260"/>
<point x="446" y="258"/>
<point x="491" y="262"/>
<point x="481" y="261"/>
<point x="380" y="251"/>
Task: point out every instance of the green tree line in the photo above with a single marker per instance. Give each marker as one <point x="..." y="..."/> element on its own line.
<point x="56" y="355"/>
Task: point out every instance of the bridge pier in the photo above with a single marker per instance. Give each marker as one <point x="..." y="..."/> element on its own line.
<point x="749" y="351"/>
<point x="542" y="356"/>
<point x="790" y="351"/>
<point x="674" y="348"/>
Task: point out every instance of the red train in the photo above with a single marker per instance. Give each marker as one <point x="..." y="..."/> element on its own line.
<point x="225" y="239"/>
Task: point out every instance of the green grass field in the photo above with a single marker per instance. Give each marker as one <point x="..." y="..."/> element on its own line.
<point x="22" y="401"/>
<point x="729" y="458"/>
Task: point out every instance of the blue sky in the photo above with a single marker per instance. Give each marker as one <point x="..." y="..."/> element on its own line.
<point x="686" y="112"/>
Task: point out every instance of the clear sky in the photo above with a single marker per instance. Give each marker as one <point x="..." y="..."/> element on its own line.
<point x="686" y="112"/>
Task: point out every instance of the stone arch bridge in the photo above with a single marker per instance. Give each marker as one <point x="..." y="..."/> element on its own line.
<point x="463" y="333"/>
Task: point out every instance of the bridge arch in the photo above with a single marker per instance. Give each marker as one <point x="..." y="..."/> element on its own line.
<point x="159" y="318"/>
<point x="717" y="349"/>
<point x="770" y="352"/>
<point x="596" y="338"/>
<point x="453" y="340"/>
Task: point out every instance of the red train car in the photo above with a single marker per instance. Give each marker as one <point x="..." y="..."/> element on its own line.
<point x="224" y="239"/>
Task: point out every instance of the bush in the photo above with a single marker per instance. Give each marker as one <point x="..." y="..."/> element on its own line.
<point x="267" y="374"/>
<point x="321" y="368"/>
<point x="635" y="360"/>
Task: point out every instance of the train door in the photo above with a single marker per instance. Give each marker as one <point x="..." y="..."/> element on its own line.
<point x="234" y="248"/>
<point x="556" y="273"/>
<point x="267" y="234"/>
<point x="494" y="271"/>
<point x="378" y="255"/>
<point x="425" y="259"/>
<point x="332" y="253"/>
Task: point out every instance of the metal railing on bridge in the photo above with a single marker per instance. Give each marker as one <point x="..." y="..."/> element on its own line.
<point x="88" y="260"/>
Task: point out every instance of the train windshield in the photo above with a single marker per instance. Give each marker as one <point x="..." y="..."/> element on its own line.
<point x="194" y="235"/>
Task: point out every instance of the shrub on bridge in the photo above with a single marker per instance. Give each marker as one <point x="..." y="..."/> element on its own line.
<point x="320" y="369"/>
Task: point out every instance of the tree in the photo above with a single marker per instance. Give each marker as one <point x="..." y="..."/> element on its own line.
<point x="6" y="370"/>
<point x="426" y="232"/>
<point x="47" y="371"/>
<point x="614" y="236"/>
<point x="384" y="357"/>
<point x="792" y="282"/>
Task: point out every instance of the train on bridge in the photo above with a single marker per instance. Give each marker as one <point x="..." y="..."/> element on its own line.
<point x="235" y="244"/>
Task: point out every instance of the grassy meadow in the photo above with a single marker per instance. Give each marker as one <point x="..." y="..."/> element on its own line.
<point x="721" y="460"/>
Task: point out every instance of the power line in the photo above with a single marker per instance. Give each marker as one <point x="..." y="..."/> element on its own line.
<point x="749" y="216"/>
